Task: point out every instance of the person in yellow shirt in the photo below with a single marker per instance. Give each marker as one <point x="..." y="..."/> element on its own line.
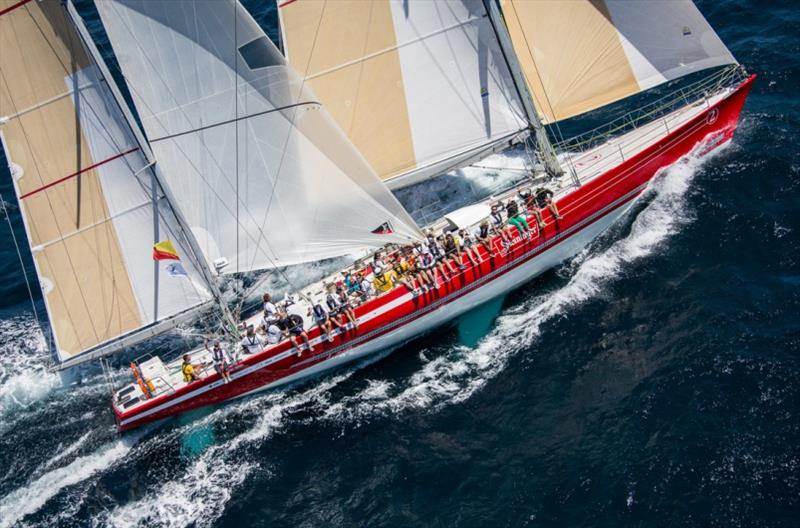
<point x="384" y="282"/>
<point x="189" y="370"/>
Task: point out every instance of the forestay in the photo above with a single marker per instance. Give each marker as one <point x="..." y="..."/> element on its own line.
<point x="262" y="174"/>
<point x="584" y="54"/>
<point x="84" y="190"/>
<point x="419" y="87"/>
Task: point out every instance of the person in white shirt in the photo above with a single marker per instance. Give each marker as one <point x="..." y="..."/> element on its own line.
<point x="273" y="334"/>
<point x="222" y="360"/>
<point x="270" y="310"/>
<point x="252" y="343"/>
<point x="366" y="287"/>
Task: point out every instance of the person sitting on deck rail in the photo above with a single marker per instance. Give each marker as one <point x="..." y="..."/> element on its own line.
<point x="498" y="225"/>
<point x="452" y="251"/>
<point x="426" y="266"/>
<point x="189" y="370"/>
<point x="415" y="272"/>
<point x="403" y="272"/>
<point x="384" y="281"/>
<point x="332" y="303"/>
<point x="323" y="320"/>
<point x="292" y="326"/>
<point x="484" y="236"/>
<point x="544" y="198"/>
<point x="530" y="205"/>
<point x="252" y="343"/>
<point x="468" y="243"/>
<point x="517" y="220"/>
<point x="442" y="263"/>
<point x="366" y="287"/>
<point x="221" y="360"/>
<point x="345" y="308"/>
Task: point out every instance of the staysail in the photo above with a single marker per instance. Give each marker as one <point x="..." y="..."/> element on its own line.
<point x="419" y="87"/>
<point x="90" y="203"/>
<point x="262" y="174"/>
<point x="584" y="54"/>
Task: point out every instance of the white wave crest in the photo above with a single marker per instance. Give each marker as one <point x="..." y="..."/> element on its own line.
<point x="203" y="487"/>
<point x="456" y="375"/>
<point x="29" y="499"/>
<point x="24" y="378"/>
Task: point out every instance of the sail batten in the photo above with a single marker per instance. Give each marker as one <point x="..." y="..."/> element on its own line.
<point x="262" y="175"/>
<point x="83" y="187"/>
<point x="411" y="83"/>
<point x="581" y="55"/>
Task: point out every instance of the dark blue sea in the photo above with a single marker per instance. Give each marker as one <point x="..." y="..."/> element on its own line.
<point x="654" y="380"/>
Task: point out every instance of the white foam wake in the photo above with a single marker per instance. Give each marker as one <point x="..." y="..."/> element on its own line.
<point x="455" y="376"/>
<point x="24" y="379"/>
<point x="29" y="499"/>
<point x="198" y="496"/>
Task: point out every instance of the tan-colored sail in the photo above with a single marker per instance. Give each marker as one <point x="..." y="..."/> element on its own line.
<point x="68" y="221"/>
<point x="579" y="55"/>
<point x="74" y="161"/>
<point x="413" y="84"/>
<point x="328" y="43"/>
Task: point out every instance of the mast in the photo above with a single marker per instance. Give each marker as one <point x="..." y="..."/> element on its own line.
<point x="186" y="232"/>
<point x="543" y="144"/>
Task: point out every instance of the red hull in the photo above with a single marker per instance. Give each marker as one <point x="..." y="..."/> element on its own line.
<point x="580" y="209"/>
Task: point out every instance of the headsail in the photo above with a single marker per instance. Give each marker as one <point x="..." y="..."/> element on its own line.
<point x="584" y="54"/>
<point x="419" y="87"/>
<point x="85" y="190"/>
<point x="262" y="174"/>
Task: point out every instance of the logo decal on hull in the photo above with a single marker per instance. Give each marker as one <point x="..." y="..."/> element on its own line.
<point x="712" y="116"/>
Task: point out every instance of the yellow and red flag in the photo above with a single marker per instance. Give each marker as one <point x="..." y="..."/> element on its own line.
<point x="164" y="250"/>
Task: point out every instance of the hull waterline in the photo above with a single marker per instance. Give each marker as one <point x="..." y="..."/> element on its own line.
<point x="398" y="316"/>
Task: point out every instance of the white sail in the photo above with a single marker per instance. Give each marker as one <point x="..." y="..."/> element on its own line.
<point x="418" y="86"/>
<point x="583" y="54"/>
<point x="85" y="191"/>
<point x="262" y="174"/>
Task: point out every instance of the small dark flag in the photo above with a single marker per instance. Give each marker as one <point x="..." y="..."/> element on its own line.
<point x="383" y="229"/>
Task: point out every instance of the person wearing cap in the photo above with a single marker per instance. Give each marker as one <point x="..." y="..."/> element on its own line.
<point x="544" y="199"/>
<point x="530" y="205"/>
<point x="252" y="343"/>
<point x="498" y="225"/>
<point x="468" y="245"/>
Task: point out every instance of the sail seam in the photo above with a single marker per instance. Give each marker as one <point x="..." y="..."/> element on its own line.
<point x="234" y="120"/>
<point x="13" y="7"/>
<point x="396" y="47"/>
<point x="77" y="173"/>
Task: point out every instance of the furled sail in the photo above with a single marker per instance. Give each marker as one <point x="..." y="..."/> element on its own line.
<point x="262" y="174"/>
<point x="85" y="191"/>
<point x="419" y="87"/>
<point x="584" y="54"/>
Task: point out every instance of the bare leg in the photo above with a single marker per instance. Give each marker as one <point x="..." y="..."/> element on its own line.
<point x="293" y="339"/>
<point x="538" y="215"/>
<point x="304" y="335"/>
<point x="553" y="209"/>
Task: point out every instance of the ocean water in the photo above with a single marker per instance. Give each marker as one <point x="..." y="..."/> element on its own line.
<point x="654" y="380"/>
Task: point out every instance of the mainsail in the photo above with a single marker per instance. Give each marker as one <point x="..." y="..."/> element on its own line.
<point x="584" y="54"/>
<point x="87" y="193"/>
<point x="262" y="174"/>
<point x="420" y="87"/>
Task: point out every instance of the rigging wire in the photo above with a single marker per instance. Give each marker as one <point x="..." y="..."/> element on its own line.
<point x="547" y="98"/>
<point x="22" y="266"/>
